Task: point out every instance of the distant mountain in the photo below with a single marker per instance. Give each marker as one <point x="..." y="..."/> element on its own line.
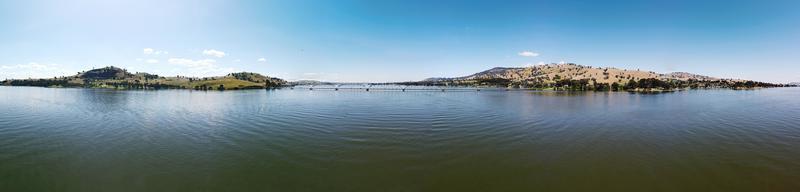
<point x="310" y="82"/>
<point x="118" y="78"/>
<point x="794" y="84"/>
<point x="573" y="76"/>
<point x="687" y="76"/>
<point x="574" y="72"/>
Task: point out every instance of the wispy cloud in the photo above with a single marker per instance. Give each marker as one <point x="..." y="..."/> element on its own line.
<point x="215" y="53"/>
<point x="262" y="59"/>
<point x="151" y="51"/>
<point x="203" y="67"/>
<point x="534" y="64"/>
<point x="528" y="54"/>
<point x="31" y="70"/>
<point x="192" y="63"/>
<point x="31" y="65"/>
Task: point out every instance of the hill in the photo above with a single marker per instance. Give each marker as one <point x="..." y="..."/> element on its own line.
<point x="578" y="77"/>
<point x="310" y="82"/>
<point x="105" y="73"/>
<point x="117" y="78"/>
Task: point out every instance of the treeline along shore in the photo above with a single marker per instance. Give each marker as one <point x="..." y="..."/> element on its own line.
<point x="570" y="76"/>
<point x="117" y="78"/>
<point x="586" y="78"/>
<point x="648" y="84"/>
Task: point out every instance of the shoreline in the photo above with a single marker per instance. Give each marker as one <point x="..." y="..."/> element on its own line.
<point x="426" y="89"/>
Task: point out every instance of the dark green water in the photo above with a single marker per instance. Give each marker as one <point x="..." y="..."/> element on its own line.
<point x="300" y="140"/>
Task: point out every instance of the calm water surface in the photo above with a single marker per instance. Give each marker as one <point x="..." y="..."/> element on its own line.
<point x="299" y="140"/>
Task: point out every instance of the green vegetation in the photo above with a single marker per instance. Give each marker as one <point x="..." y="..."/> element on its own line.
<point x="570" y="76"/>
<point x="641" y="85"/>
<point x="116" y="78"/>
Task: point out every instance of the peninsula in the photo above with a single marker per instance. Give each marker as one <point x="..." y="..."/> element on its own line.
<point x="570" y="76"/>
<point x="117" y="78"/>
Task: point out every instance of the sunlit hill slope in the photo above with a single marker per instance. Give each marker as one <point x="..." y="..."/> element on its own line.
<point x="117" y="78"/>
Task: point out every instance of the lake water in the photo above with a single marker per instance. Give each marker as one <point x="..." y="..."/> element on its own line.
<point x="55" y="139"/>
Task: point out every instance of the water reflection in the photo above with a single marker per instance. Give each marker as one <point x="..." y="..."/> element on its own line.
<point x="290" y="140"/>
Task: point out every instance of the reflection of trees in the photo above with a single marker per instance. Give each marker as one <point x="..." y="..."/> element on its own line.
<point x="103" y="100"/>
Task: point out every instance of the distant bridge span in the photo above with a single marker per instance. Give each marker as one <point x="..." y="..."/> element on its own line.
<point x="394" y="87"/>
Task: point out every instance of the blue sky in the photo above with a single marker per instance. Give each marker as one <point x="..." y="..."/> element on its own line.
<point x="387" y="40"/>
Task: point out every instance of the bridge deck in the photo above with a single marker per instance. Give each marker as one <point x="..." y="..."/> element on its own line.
<point x="401" y="88"/>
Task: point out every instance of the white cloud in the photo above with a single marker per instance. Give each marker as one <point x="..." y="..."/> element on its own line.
<point x="262" y="59"/>
<point x="237" y="60"/>
<point x="528" y="54"/>
<point x="31" y="65"/>
<point x="199" y="68"/>
<point x="214" y="53"/>
<point x="151" y="51"/>
<point x="192" y="63"/>
<point x="32" y="70"/>
<point x="151" y="61"/>
<point x="535" y="64"/>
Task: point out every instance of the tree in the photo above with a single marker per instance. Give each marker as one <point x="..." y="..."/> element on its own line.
<point x="630" y="85"/>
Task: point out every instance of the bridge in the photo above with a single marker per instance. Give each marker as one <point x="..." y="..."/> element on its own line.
<point x="393" y="87"/>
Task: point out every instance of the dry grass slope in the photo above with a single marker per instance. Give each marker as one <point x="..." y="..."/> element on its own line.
<point x="553" y="72"/>
<point x="117" y="78"/>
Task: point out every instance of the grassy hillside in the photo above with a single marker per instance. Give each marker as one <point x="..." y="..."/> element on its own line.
<point x="554" y="72"/>
<point x="117" y="78"/>
<point x="579" y="77"/>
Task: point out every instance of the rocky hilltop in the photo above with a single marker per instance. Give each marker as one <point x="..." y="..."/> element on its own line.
<point x="579" y="77"/>
<point x="118" y="78"/>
